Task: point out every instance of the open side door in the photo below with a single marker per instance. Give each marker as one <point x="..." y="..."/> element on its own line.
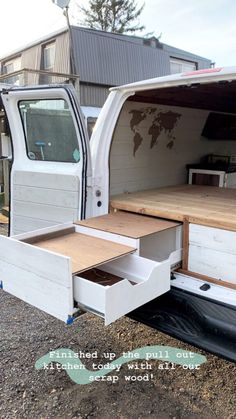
<point x="51" y="157"/>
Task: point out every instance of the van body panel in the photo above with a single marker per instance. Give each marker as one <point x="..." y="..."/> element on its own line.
<point x="50" y="164"/>
<point x="146" y="136"/>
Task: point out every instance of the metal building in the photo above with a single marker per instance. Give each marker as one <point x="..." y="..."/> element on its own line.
<point x="102" y="60"/>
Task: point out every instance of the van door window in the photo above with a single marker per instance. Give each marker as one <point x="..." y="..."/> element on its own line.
<point x="49" y="130"/>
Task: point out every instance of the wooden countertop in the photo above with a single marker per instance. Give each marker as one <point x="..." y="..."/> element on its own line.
<point x="127" y="224"/>
<point x="86" y="252"/>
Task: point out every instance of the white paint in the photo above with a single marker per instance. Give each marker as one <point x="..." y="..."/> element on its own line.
<point x="180" y="79"/>
<point x="212" y="238"/>
<point x="188" y="283"/>
<point x="21" y="224"/>
<point x="219" y="173"/>
<point x="159" y="246"/>
<point x="102" y="136"/>
<point x="52" y="213"/>
<point x="90" y="111"/>
<point x="147" y="169"/>
<point x="42" y="231"/>
<point x="212" y="252"/>
<point x="156" y="247"/>
<point x="230" y="180"/>
<point x="127" y="241"/>
<point x="43" y="278"/>
<point x="46" y="192"/>
<point x="218" y="265"/>
<point x="38" y="277"/>
<point x="152" y="279"/>
<point x="159" y="166"/>
<point x="6" y="145"/>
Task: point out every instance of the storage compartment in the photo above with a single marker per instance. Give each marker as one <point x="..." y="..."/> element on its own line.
<point x="138" y="280"/>
<point x="164" y="245"/>
<point x="154" y="238"/>
<point x="52" y="269"/>
<point x="159" y="133"/>
<point x="212" y="253"/>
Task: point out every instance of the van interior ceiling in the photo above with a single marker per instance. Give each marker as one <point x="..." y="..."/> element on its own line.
<point x="162" y="132"/>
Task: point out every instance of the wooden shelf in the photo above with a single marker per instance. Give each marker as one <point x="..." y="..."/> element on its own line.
<point x="85" y="252"/>
<point x="129" y="225"/>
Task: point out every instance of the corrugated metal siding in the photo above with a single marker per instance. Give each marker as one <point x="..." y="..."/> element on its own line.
<point x="106" y="59"/>
<point x="110" y="60"/>
<point x="93" y="95"/>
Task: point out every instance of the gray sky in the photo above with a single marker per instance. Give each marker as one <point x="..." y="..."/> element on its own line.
<point x="204" y="27"/>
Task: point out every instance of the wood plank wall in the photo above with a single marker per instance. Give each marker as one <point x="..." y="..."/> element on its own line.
<point x="165" y="163"/>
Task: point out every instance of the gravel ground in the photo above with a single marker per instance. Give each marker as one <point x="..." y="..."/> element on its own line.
<point x="27" y="334"/>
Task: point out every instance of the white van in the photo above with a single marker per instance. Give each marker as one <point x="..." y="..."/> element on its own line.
<point x="142" y="219"/>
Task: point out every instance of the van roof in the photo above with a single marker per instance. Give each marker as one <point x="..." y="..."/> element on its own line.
<point x="192" y="77"/>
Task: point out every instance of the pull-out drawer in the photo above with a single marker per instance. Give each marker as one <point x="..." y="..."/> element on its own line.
<point x="154" y="238"/>
<point x="137" y="280"/>
<point x="49" y="269"/>
<point x="212" y="252"/>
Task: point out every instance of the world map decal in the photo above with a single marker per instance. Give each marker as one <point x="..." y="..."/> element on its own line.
<point x="161" y="121"/>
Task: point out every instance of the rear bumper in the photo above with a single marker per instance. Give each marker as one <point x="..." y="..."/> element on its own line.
<point x="194" y="319"/>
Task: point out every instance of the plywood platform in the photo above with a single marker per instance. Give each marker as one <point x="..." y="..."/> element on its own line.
<point x="85" y="252"/>
<point x="205" y="205"/>
<point x="129" y="225"/>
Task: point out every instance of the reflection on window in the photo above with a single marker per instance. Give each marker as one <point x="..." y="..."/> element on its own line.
<point x="48" y="59"/>
<point x="10" y="67"/>
<point x="49" y="56"/>
<point x="49" y="130"/>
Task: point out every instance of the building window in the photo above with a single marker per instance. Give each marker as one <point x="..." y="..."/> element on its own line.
<point x="9" y="67"/>
<point x="47" y="63"/>
<point x="181" y="66"/>
<point x="48" y="56"/>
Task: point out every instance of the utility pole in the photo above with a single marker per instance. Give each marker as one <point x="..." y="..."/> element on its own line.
<point x="64" y="4"/>
<point x="71" y="43"/>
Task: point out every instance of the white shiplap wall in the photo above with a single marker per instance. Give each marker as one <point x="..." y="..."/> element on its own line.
<point x="159" y="166"/>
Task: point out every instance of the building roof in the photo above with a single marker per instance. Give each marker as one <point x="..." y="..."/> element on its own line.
<point x="38" y="41"/>
<point x="110" y="59"/>
<point x="113" y="59"/>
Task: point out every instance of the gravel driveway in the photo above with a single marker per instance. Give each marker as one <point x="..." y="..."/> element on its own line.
<point x="26" y="334"/>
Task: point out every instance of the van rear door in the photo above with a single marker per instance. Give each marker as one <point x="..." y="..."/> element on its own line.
<point x="51" y="157"/>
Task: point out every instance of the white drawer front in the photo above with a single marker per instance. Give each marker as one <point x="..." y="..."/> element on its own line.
<point x="212" y="252"/>
<point x="151" y="279"/>
<point x="36" y="276"/>
<point x="43" y="277"/>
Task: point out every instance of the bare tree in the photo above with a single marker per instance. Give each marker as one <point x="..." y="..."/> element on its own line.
<point x="119" y="16"/>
